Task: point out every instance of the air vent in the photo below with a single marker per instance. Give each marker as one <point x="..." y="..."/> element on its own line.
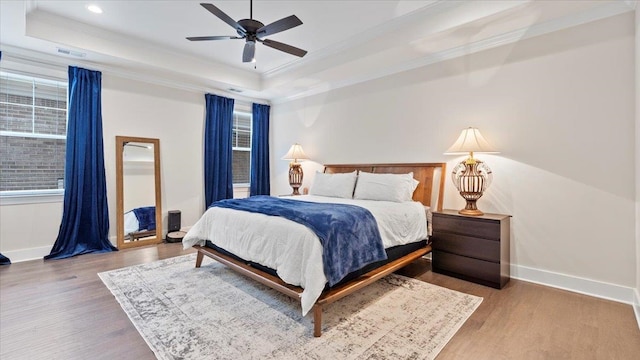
<point x="71" y="52"/>
<point x="234" y="90"/>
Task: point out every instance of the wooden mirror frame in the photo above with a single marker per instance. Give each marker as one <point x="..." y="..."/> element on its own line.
<point x="120" y="142"/>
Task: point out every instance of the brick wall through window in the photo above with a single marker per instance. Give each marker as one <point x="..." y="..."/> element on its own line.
<point x="33" y="127"/>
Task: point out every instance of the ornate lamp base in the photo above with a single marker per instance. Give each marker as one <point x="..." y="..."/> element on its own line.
<point x="470" y="209"/>
<point x="295" y="177"/>
<point x="471" y="177"/>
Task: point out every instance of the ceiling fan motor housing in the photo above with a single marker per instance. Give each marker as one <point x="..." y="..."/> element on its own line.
<point x="251" y="26"/>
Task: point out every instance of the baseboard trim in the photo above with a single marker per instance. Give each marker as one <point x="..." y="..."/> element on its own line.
<point x="636" y="306"/>
<point x="576" y="284"/>
<point x="37" y="253"/>
<point x="22" y="255"/>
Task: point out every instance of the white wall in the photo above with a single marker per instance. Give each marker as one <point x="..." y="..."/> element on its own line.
<point x="176" y="117"/>
<point x="559" y="107"/>
<point x="28" y="231"/>
<point x="129" y="108"/>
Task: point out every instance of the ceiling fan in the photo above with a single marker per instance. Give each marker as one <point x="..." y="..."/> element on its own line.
<point x="253" y="30"/>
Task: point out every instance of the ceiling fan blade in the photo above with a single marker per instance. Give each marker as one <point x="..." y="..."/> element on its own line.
<point x="278" y="26"/>
<point x="284" y="47"/>
<point x="224" y="17"/>
<point x="205" y="38"/>
<point x="249" y="51"/>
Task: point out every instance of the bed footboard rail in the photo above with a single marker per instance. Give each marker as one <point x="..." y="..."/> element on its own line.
<point x="328" y="297"/>
<point x="260" y="276"/>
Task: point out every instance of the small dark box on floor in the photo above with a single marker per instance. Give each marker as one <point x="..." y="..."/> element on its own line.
<point x="174" y="220"/>
<point x="174" y="233"/>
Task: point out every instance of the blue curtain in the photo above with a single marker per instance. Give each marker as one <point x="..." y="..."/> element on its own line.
<point x="85" y="217"/>
<point x="218" y="179"/>
<point x="260" y="184"/>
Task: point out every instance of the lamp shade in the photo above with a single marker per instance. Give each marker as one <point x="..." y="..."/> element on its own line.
<point x="295" y="153"/>
<point x="470" y="140"/>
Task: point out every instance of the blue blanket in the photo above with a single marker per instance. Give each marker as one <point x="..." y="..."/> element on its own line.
<point x="349" y="234"/>
<point x="146" y="217"/>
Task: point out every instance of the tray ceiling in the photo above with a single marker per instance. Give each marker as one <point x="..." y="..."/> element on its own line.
<point x="347" y="41"/>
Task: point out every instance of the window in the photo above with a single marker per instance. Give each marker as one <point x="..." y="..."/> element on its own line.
<point x="241" y="144"/>
<point x="33" y="128"/>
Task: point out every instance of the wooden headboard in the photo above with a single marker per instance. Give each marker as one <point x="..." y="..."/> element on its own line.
<point x="431" y="176"/>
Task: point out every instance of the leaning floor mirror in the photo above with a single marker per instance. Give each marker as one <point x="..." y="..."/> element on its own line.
<point x="139" y="205"/>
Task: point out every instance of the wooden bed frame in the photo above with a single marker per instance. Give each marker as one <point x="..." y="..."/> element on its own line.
<point x="133" y="236"/>
<point x="431" y="177"/>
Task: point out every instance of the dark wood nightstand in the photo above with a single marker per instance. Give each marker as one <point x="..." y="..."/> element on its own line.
<point x="473" y="248"/>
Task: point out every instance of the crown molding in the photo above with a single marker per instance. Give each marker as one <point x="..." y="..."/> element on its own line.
<point x="100" y="44"/>
<point x="13" y="58"/>
<point x="598" y="13"/>
<point x="346" y="44"/>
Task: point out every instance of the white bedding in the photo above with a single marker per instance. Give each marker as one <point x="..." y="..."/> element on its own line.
<point x="131" y="223"/>
<point x="292" y="249"/>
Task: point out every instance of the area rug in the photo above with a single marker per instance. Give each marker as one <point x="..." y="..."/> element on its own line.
<point x="214" y="313"/>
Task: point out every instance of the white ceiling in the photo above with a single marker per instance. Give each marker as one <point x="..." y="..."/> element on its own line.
<point x="347" y="41"/>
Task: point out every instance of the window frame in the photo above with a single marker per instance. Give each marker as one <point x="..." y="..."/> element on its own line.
<point x="15" y="197"/>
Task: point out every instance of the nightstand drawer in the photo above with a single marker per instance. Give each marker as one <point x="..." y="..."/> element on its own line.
<point x="467" y="226"/>
<point x="471" y="268"/>
<point x="477" y="248"/>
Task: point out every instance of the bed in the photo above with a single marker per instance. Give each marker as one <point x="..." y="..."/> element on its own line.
<point x="140" y="223"/>
<point x="270" y="255"/>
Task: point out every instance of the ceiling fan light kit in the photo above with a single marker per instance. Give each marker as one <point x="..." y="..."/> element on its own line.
<point x="254" y="31"/>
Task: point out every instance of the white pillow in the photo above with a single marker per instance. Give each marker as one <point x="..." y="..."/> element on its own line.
<point x="334" y="185"/>
<point x="385" y="187"/>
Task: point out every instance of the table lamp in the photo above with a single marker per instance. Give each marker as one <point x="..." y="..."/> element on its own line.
<point x="472" y="176"/>
<point x="295" y="153"/>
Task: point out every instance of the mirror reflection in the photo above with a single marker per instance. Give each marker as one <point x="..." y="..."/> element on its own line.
<point x="138" y="187"/>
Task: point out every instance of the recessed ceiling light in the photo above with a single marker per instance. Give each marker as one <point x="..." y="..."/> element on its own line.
<point x="94" y="9"/>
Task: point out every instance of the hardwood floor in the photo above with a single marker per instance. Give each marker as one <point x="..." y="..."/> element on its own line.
<point x="59" y="309"/>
